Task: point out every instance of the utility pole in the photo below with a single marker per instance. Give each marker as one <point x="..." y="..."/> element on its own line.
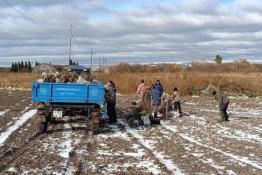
<point x="70" y="44"/>
<point x="99" y="63"/>
<point x="91" y="59"/>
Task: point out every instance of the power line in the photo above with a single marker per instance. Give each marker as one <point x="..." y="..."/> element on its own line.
<point x="29" y="18"/>
<point x="18" y="11"/>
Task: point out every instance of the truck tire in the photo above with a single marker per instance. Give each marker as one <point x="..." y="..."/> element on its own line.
<point x="43" y="127"/>
<point x="42" y="119"/>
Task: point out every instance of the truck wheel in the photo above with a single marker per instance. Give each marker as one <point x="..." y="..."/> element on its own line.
<point x="43" y="127"/>
<point x="95" y="128"/>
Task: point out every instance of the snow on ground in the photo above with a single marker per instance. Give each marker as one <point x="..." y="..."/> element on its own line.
<point x="238" y="158"/>
<point x="168" y="163"/>
<point x="17" y="123"/>
<point x="248" y="112"/>
<point x="66" y="143"/>
<point x="17" y="89"/>
<point x="238" y="134"/>
<point x="228" y="132"/>
<point x="65" y="147"/>
<point x="3" y="112"/>
<point x="135" y="153"/>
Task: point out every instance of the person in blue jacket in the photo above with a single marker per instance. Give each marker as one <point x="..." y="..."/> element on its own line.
<point x="159" y="86"/>
<point x="156" y="98"/>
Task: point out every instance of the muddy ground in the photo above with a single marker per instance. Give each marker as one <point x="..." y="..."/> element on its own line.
<point x="193" y="144"/>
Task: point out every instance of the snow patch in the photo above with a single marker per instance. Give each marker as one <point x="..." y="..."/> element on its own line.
<point x="238" y="158"/>
<point x="3" y="112"/>
<point x="66" y="145"/>
<point x="169" y="164"/>
<point x="19" y="122"/>
<point x="230" y="172"/>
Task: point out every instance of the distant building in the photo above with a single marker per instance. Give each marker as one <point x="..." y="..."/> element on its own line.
<point x="40" y="68"/>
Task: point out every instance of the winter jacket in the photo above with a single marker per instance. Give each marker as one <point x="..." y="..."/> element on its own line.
<point x="156" y="96"/>
<point x="110" y="94"/>
<point x="142" y="89"/>
<point x="221" y="98"/>
<point x="160" y="88"/>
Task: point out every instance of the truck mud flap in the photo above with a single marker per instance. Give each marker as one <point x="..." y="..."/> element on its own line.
<point x="96" y="120"/>
<point x="41" y="117"/>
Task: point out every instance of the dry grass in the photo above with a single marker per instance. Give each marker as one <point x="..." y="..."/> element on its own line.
<point x="17" y="80"/>
<point x="188" y="82"/>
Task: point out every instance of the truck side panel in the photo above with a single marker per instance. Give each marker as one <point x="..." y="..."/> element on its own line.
<point x="68" y="93"/>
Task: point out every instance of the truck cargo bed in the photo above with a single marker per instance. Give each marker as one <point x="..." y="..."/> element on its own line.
<point x="89" y="93"/>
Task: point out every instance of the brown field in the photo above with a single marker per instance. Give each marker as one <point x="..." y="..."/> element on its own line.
<point x="188" y="82"/>
<point x="17" y="80"/>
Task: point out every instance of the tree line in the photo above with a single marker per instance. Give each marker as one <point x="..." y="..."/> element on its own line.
<point x="21" y="66"/>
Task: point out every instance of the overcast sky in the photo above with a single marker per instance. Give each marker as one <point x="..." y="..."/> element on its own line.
<point x="135" y="31"/>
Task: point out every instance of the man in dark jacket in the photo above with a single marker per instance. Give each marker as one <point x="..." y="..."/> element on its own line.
<point x="111" y="101"/>
<point x="156" y="99"/>
<point x="223" y="102"/>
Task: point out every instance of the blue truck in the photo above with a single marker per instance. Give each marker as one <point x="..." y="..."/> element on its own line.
<point x="56" y="100"/>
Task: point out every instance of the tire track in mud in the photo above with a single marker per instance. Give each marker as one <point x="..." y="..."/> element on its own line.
<point x="52" y="152"/>
<point x="164" y="160"/>
<point x="161" y="159"/>
<point x="16" y="124"/>
<point x="13" y="114"/>
<point x="76" y="160"/>
<point x="205" y="153"/>
<point x="174" y="150"/>
<point x="10" y="156"/>
<point x="29" y="155"/>
<point x="148" y="145"/>
<point x="82" y="152"/>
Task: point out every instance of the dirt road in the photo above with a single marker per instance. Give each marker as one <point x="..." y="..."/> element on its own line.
<point x="193" y="144"/>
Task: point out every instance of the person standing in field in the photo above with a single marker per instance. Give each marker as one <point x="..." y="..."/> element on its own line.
<point x="223" y="102"/>
<point x="143" y="91"/>
<point x="176" y="101"/>
<point x="111" y="101"/>
<point x="159" y="86"/>
<point x="156" y="99"/>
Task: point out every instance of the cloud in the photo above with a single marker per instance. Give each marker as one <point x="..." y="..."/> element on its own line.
<point x="130" y="30"/>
